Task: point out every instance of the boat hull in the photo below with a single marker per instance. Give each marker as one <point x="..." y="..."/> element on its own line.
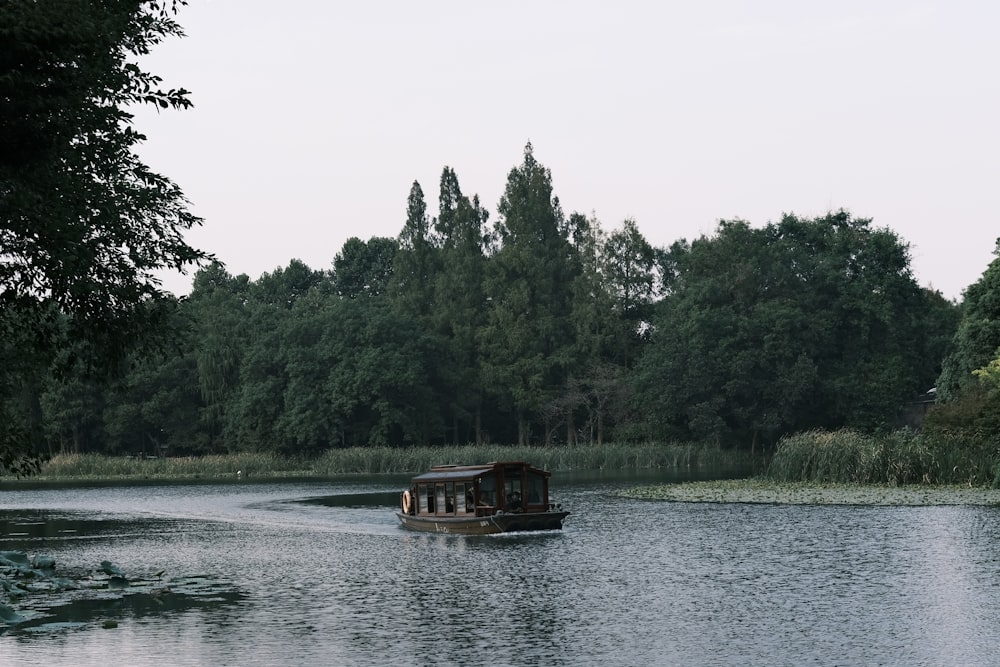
<point x="485" y="525"/>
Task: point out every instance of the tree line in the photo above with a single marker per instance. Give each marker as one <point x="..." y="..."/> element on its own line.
<point x="537" y="328"/>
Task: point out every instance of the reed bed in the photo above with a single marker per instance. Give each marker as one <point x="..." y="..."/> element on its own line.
<point x="590" y="457"/>
<point x="897" y="458"/>
<point x="215" y="466"/>
<point x="377" y="460"/>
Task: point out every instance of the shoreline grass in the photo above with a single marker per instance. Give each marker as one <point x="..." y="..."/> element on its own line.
<point x="897" y="458"/>
<point x="380" y="460"/>
<point x="816" y="467"/>
<point x="845" y="467"/>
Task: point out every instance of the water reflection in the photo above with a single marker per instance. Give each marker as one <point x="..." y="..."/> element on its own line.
<point x="318" y="573"/>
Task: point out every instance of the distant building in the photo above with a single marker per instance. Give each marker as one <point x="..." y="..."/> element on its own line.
<point x="913" y="414"/>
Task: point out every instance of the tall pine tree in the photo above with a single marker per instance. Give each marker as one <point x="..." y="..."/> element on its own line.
<point x="528" y="336"/>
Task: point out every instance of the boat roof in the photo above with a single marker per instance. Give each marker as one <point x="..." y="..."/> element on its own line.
<point x="455" y="472"/>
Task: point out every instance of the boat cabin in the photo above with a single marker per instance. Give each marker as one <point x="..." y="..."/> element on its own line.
<point x="477" y="491"/>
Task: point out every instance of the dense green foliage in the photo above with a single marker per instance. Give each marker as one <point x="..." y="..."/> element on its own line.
<point x="798" y="325"/>
<point x="541" y="330"/>
<point x="977" y="341"/>
<point x="969" y="385"/>
<point x="526" y="349"/>
<point x="84" y="224"/>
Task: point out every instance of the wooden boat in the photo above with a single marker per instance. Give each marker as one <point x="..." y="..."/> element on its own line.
<point x="498" y="497"/>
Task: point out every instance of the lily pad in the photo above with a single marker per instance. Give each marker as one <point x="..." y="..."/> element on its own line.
<point x="45" y="600"/>
<point x="12" y="589"/>
<point x="760" y="491"/>
<point x="107" y="567"/>
<point x="9" y="616"/>
<point x="17" y="561"/>
<point x="43" y="562"/>
<point x="13" y="559"/>
<point x="53" y="627"/>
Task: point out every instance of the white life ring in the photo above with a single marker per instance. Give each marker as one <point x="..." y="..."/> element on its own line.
<point x="406" y="502"/>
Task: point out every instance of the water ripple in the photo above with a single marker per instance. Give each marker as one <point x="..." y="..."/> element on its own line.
<point x="328" y="577"/>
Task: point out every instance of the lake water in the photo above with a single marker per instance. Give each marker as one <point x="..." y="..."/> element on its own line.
<point x="320" y="573"/>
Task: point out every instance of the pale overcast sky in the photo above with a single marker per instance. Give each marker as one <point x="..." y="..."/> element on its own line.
<point x="313" y="118"/>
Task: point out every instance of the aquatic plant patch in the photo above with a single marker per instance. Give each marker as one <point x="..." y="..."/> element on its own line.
<point x="766" y="491"/>
<point x="42" y="598"/>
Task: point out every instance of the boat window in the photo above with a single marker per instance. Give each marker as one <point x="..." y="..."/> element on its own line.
<point x="441" y="504"/>
<point x="512" y="488"/>
<point x="463" y="498"/>
<point x="488" y="489"/>
<point x="424" y="499"/>
<point x="449" y="497"/>
<point x="536" y="488"/>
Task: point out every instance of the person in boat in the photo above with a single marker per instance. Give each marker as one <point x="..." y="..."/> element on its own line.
<point x="514" y="502"/>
